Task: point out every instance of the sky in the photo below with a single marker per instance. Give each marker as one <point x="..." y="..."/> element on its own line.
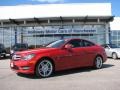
<point x="115" y="3"/>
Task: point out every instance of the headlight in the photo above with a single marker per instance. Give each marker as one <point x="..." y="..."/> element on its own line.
<point x="16" y="57"/>
<point x="28" y="57"/>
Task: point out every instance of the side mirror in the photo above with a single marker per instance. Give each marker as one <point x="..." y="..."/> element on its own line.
<point x="68" y="46"/>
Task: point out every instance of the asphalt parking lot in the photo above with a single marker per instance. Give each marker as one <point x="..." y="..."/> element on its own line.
<point x="107" y="78"/>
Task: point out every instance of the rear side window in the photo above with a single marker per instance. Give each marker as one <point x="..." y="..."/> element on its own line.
<point x="76" y="43"/>
<point x="87" y="43"/>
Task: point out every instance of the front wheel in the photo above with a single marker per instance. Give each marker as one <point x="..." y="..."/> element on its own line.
<point x="98" y="62"/>
<point x="44" y="68"/>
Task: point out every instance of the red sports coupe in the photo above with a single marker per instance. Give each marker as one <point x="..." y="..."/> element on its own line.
<point x="58" y="55"/>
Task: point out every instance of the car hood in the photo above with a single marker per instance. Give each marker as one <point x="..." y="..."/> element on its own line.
<point x="115" y="49"/>
<point x="39" y="50"/>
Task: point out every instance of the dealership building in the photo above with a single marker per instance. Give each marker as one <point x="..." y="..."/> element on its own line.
<point x="115" y="31"/>
<point x="41" y="24"/>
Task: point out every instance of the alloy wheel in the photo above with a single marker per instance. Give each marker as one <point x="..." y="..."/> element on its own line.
<point x="98" y="62"/>
<point x="44" y="68"/>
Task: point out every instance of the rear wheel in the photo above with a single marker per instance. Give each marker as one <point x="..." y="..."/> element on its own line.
<point x="44" y="68"/>
<point x="114" y="56"/>
<point x="98" y="62"/>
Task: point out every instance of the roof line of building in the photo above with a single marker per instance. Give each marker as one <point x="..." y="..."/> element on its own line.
<point x="58" y="20"/>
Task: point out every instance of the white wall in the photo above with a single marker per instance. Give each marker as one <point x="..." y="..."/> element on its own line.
<point x="55" y="10"/>
<point x="115" y="25"/>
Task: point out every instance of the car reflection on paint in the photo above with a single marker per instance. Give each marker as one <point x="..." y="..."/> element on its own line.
<point x="59" y="55"/>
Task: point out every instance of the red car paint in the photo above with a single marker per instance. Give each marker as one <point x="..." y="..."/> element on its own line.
<point x="62" y="58"/>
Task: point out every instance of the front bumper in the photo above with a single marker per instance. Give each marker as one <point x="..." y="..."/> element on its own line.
<point x="24" y="67"/>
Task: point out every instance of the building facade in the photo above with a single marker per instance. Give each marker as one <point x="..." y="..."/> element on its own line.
<point x="115" y="31"/>
<point x="45" y="23"/>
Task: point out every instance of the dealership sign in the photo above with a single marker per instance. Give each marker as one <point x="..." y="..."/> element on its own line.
<point x="62" y="31"/>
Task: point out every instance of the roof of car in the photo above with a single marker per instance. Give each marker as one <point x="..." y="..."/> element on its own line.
<point x="77" y="39"/>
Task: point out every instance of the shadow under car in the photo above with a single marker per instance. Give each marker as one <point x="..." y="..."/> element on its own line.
<point x="66" y="72"/>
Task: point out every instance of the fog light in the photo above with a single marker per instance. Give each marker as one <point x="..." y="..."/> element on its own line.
<point x="25" y="68"/>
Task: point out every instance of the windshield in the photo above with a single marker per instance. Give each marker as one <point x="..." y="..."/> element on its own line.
<point x="56" y="44"/>
<point x="114" y="46"/>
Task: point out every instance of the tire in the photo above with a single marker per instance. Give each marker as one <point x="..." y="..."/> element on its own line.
<point x="114" y="56"/>
<point x="44" y="68"/>
<point x="98" y="62"/>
